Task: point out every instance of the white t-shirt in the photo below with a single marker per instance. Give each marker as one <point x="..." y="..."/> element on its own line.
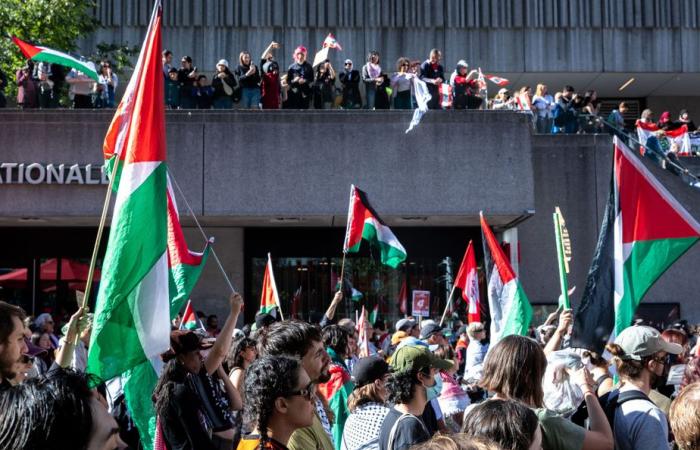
<point x="640" y="425"/>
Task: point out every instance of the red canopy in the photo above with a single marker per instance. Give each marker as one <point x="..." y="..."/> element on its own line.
<point x="70" y="271"/>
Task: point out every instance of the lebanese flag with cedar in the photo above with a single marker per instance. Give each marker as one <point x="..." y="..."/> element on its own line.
<point x="468" y="281"/>
<point x="364" y="223"/>
<point x="645" y="230"/>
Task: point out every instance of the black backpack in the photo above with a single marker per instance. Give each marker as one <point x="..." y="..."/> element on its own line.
<point x="613" y="399"/>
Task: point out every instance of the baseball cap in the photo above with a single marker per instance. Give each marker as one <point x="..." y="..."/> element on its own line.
<point x="369" y="369"/>
<point x="429" y="330"/>
<point x="185" y="341"/>
<point x="418" y="357"/>
<point x="405" y="324"/>
<point x="640" y="341"/>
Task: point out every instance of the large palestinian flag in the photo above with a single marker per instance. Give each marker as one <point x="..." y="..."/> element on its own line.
<point x="45" y="54"/>
<point x="644" y="231"/>
<point x="510" y="309"/>
<point x="269" y="298"/>
<point x="364" y="223"/>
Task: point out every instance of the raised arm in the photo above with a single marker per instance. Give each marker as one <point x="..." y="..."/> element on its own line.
<point x="565" y="319"/>
<point x="223" y="341"/>
<point x="330" y="312"/>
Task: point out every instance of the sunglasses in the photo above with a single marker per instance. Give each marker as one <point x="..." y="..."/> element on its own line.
<point x="306" y="393"/>
<point x="26" y="359"/>
<point x="348" y="64"/>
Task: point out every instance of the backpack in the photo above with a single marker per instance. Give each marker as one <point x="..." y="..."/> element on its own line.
<point x="395" y="427"/>
<point x="613" y="399"/>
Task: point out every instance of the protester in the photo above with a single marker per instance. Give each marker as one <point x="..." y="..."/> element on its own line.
<point x="514" y="369"/>
<point x="564" y="115"/>
<point x="476" y="352"/>
<point x="503" y="100"/>
<point x="641" y="358"/>
<point x="414" y="373"/>
<point x="350" y="80"/>
<point x="44" y="323"/>
<point x="43" y="75"/>
<point x="79" y="355"/>
<point x="457" y="442"/>
<point x="382" y="98"/>
<point x="371" y="72"/>
<point x="543" y="103"/>
<point x="465" y="87"/>
<point x="224" y="84"/>
<point x="300" y="75"/>
<point x="339" y="387"/>
<point x="401" y="84"/>
<point x="56" y="412"/>
<point x="616" y="121"/>
<point x="271" y="87"/>
<point x="684" y="119"/>
<point x="26" y="88"/>
<point x="249" y="78"/>
<point x="598" y="366"/>
<point x="167" y="58"/>
<point x="433" y="74"/>
<point x="172" y="90"/>
<point x="186" y="76"/>
<point x="303" y="340"/>
<point x="179" y="398"/>
<point x="12" y="341"/>
<point x="81" y="89"/>
<point x="324" y="86"/>
<point x="433" y="334"/>
<point x="106" y="87"/>
<point x="367" y="404"/>
<point x="279" y="397"/>
<point x="685" y="421"/>
<point x="509" y="423"/>
<point x="243" y="353"/>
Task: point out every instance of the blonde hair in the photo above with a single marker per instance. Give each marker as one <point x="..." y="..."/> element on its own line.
<point x="540" y="90"/>
<point x="685" y="421"/>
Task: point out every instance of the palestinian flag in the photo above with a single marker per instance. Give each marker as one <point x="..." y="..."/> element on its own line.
<point x="269" y="299"/>
<point x="364" y="223"/>
<point x="131" y="325"/>
<point x="468" y="281"/>
<point x="498" y="81"/>
<point x="189" y="318"/>
<point x="330" y="42"/>
<point x="645" y="230"/>
<point x="374" y="315"/>
<point x="336" y="391"/>
<point x="45" y="54"/>
<point x="511" y="312"/>
<point x="356" y="295"/>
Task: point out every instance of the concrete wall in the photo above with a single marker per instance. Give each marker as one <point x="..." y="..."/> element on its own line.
<point x="501" y="35"/>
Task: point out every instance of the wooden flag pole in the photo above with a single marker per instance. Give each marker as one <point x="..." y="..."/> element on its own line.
<point x="98" y="239"/>
<point x="447" y="306"/>
<point x="342" y="271"/>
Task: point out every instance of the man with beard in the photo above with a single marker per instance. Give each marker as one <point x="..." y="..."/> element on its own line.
<point x="12" y="343"/>
<point x="303" y="340"/>
<point x="642" y="359"/>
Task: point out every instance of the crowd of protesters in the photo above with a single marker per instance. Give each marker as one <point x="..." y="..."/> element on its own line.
<point x="415" y="385"/>
<point x="373" y="85"/>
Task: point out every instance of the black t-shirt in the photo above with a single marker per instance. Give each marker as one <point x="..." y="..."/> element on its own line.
<point x="410" y="431"/>
<point x="182" y="424"/>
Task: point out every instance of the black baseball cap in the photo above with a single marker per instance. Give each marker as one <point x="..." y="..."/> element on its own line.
<point x="369" y="369"/>
<point x="429" y="330"/>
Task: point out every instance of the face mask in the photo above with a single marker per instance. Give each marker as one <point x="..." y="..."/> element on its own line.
<point x="434" y="391"/>
<point x="659" y="381"/>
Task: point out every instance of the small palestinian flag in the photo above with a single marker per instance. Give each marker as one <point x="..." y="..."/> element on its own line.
<point x="270" y="299"/>
<point x="498" y="81"/>
<point x="510" y="309"/>
<point x="45" y="54"/>
<point x="364" y="223"/>
<point x="374" y="315"/>
<point x="189" y="318"/>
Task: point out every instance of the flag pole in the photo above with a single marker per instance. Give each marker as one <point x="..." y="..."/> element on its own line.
<point x="342" y="271"/>
<point x="274" y="286"/>
<point x="564" y="300"/>
<point x="447" y="306"/>
<point x="98" y="239"/>
<point x="194" y="216"/>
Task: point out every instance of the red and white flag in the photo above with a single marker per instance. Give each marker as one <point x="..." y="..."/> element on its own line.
<point x="679" y="140"/>
<point x="498" y="81"/>
<point x="644" y="130"/>
<point x="330" y="42"/>
<point x="363" y="335"/>
<point x="468" y="281"/>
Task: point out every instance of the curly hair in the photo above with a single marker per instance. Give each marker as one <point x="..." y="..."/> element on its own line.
<point x="335" y="337"/>
<point x="400" y="386"/>
<point x="509" y="423"/>
<point x="267" y="379"/>
<point x="235" y="357"/>
<point x="48" y="413"/>
<point x="292" y="337"/>
<point x="173" y="374"/>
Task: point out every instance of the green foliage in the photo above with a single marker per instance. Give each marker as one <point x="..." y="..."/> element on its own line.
<point x="56" y="24"/>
